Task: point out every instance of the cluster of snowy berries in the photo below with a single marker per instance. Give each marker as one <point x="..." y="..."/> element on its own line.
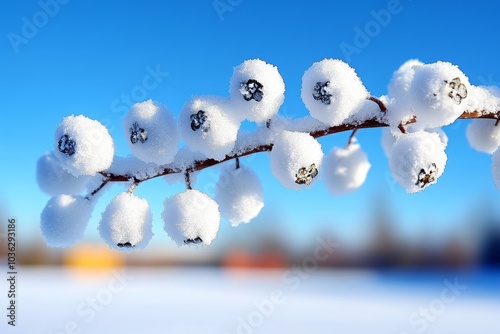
<point x="434" y="94"/>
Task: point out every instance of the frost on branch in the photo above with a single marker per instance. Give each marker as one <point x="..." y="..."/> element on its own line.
<point x="239" y="194"/>
<point x="256" y="91"/>
<point x="417" y="160"/>
<point x="345" y="169"/>
<point x="332" y="91"/>
<point x="83" y="146"/>
<point x="151" y="132"/>
<point x="64" y="219"/>
<point x="484" y="135"/>
<point x="191" y="217"/>
<point x="126" y="222"/>
<point x="296" y="159"/>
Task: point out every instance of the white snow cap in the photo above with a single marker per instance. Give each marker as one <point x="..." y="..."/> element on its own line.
<point x="64" y="219"/>
<point x="151" y="132"/>
<point x="207" y="128"/>
<point x="256" y="91"/>
<point x="83" y="146"/>
<point x="239" y="193"/>
<point x="54" y="180"/>
<point x="332" y="91"/>
<point x="402" y="78"/>
<point x="389" y="137"/>
<point x="126" y="223"/>
<point x="483" y="135"/>
<point x="191" y="217"/>
<point x="417" y="160"/>
<point x="296" y="159"/>
<point x="437" y="96"/>
<point x="345" y="169"/>
<point x="495" y="168"/>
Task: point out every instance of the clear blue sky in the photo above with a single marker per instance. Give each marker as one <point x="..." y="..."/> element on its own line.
<point x="91" y="53"/>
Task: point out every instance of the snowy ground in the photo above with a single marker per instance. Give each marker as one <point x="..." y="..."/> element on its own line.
<point x="206" y="300"/>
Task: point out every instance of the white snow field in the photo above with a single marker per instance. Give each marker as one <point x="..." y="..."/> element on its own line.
<point x="210" y="300"/>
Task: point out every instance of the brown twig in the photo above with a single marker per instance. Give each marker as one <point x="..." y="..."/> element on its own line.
<point x="187" y="177"/>
<point x="352" y="137"/>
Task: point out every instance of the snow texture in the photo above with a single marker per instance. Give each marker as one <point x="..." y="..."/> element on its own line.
<point x="191" y="217"/>
<point x="239" y="194"/>
<point x="417" y="160"/>
<point x="126" y="223"/>
<point x="256" y="91"/>
<point x="207" y="128"/>
<point x="495" y="168"/>
<point x="54" y="180"/>
<point x="64" y="219"/>
<point x="483" y="99"/>
<point x="332" y="91"/>
<point x="151" y="132"/>
<point x="483" y="135"/>
<point x="402" y="78"/>
<point x="389" y="137"/>
<point x="296" y="159"/>
<point x="345" y="169"/>
<point x="83" y="146"/>
<point x="437" y="96"/>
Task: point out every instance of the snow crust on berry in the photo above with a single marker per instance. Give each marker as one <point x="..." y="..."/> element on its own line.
<point x="417" y="160"/>
<point x="239" y="194"/>
<point x="437" y="96"/>
<point x="483" y="135"/>
<point x="296" y="159"/>
<point x="332" y="91"/>
<point x="151" y="132"/>
<point x="191" y="218"/>
<point x="495" y="168"/>
<point x="256" y="91"/>
<point x="207" y="128"/>
<point x="345" y="169"/>
<point x="64" y="219"/>
<point x="126" y="223"/>
<point x="54" y="180"/>
<point x="390" y="136"/>
<point x="402" y="78"/>
<point x="83" y="146"/>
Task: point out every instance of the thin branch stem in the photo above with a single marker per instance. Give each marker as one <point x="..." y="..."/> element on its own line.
<point x="237" y="160"/>
<point x="187" y="177"/>
<point x="352" y="137"/>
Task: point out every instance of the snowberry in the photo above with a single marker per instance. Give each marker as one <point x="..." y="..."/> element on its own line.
<point x="295" y="159"/>
<point x="191" y="217"/>
<point x="256" y="91"/>
<point x="345" y="169"/>
<point x="207" y="128"/>
<point x="417" y="160"/>
<point x="239" y="194"/>
<point x="484" y="135"/>
<point x="151" y="132"/>
<point x="64" y="219"/>
<point x="332" y="91"/>
<point x="126" y="223"/>
<point x="83" y="146"/>
<point x="402" y="78"/>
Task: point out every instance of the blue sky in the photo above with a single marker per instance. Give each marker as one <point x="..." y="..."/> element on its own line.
<point x="88" y="56"/>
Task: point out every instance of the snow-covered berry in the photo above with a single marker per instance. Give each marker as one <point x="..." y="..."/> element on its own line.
<point x="256" y="91"/>
<point x="191" y="217"/>
<point x="296" y="159"/>
<point x="151" y="132"/>
<point x="332" y="91"/>
<point x="207" y="128"/>
<point x="239" y="194"/>
<point x="484" y="135"/>
<point x="126" y="223"/>
<point x="83" y="146"/>
<point x="402" y="78"/>
<point x="345" y="169"/>
<point x="64" y="219"/>
<point x="54" y="180"/>
<point x="417" y="160"/>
